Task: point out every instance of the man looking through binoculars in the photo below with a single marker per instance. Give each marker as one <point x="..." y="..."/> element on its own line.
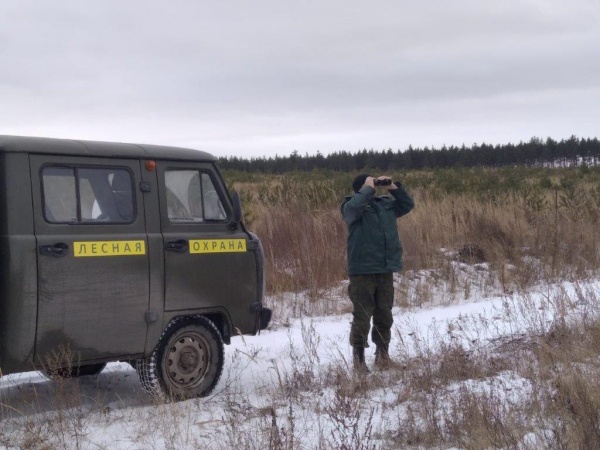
<point x="374" y="254"/>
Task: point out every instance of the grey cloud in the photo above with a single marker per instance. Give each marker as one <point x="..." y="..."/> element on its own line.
<point x="262" y="75"/>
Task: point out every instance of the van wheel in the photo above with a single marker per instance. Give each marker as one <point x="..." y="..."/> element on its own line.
<point x="75" y="371"/>
<point x="187" y="362"/>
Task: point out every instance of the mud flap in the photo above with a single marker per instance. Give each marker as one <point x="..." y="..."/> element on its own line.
<point x="263" y="316"/>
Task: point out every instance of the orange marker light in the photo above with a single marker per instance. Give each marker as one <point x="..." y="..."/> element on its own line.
<point x="150" y="165"/>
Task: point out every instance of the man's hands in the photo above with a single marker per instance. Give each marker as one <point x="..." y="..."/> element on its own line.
<point x="370" y="181"/>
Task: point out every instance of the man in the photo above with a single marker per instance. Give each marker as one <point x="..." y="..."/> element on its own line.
<point x="374" y="254"/>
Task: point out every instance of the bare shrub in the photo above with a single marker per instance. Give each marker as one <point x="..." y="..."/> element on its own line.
<point x="575" y="406"/>
<point x="351" y="421"/>
<point x="484" y="420"/>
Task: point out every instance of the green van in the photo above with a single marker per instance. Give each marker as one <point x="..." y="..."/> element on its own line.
<point x="123" y="252"/>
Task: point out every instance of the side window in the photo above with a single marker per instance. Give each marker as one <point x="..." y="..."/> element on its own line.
<point x="213" y="208"/>
<point x="87" y="195"/>
<point x="60" y="197"/>
<point x="192" y="197"/>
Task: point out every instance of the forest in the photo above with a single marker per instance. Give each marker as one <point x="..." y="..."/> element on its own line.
<point x="535" y="152"/>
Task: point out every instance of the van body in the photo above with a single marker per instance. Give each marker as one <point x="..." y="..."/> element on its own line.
<point x="122" y="252"/>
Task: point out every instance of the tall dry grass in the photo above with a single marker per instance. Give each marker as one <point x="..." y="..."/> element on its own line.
<point x="525" y="235"/>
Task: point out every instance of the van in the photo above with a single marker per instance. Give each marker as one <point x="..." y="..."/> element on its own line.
<point x="123" y="252"/>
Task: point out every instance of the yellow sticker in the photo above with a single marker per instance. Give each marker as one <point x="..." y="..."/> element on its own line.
<point x="109" y="248"/>
<point x="217" y="245"/>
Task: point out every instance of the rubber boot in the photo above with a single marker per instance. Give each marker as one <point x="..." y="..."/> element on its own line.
<point x="358" y="357"/>
<point x="382" y="357"/>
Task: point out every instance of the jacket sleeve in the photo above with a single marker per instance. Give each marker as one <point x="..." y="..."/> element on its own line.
<point x="353" y="208"/>
<point x="404" y="201"/>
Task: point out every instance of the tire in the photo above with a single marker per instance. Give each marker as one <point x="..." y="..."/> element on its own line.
<point x="75" y="371"/>
<point x="187" y="362"/>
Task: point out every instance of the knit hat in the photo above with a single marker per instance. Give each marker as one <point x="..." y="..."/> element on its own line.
<point x="359" y="181"/>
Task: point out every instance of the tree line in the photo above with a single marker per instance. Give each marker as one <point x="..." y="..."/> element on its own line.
<point x="535" y="152"/>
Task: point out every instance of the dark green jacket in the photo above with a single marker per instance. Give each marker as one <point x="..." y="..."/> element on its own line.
<point x="373" y="243"/>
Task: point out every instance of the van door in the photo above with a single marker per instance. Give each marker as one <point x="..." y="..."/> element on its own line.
<point x="209" y="263"/>
<point x="93" y="267"/>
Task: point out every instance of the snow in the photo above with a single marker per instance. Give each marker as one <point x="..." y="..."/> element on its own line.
<point x="112" y="411"/>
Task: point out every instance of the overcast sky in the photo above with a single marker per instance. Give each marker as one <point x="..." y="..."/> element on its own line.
<point x="263" y="77"/>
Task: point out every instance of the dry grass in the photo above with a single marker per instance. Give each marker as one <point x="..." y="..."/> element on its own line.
<point x="540" y="236"/>
<point x="303" y="250"/>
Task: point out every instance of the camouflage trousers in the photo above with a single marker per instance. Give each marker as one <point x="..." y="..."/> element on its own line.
<point x="372" y="296"/>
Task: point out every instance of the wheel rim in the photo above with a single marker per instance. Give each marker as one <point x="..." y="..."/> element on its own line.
<point x="188" y="360"/>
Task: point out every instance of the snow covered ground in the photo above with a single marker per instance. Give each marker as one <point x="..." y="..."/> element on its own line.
<point x="282" y="388"/>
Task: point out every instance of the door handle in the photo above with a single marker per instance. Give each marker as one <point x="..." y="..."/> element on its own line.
<point x="180" y="246"/>
<point x="56" y="250"/>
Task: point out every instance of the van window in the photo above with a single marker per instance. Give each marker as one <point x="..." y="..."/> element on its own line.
<point x="87" y="195"/>
<point x="192" y="197"/>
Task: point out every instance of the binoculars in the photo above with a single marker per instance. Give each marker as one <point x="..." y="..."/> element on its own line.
<point x="384" y="182"/>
